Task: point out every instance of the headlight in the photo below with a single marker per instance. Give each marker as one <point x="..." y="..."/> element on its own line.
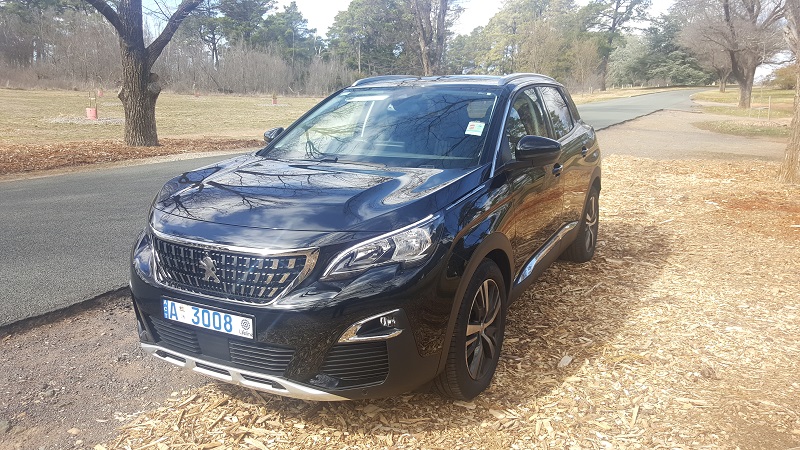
<point x="142" y="257"/>
<point x="408" y="246"/>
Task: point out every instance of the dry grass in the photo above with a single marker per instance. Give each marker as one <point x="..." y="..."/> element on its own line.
<point x="764" y="103"/>
<point x="682" y="333"/>
<point x="47" y="117"/>
<point x="42" y="130"/>
<point x="760" y="96"/>
<point x="747" y="128"/>
<point x="16" y="159"/>
<point x="769" y="115"/>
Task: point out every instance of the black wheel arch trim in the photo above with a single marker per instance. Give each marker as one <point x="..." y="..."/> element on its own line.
<point x="495" y="244"/>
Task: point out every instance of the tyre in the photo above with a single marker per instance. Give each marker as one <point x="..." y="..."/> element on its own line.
<point x="478" y="335"/>
<point x="582" y="248"/>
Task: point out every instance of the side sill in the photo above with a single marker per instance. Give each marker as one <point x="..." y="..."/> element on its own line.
<point x="544" y="256"/>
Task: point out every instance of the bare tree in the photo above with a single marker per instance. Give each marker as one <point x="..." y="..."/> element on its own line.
<point x="585" y="60"/>
<point x="140" y="87"/>
<point x="790" y="169"/>
<point x="710" y="55"/>
<point x="748" y="31"/>
<point x="541" y="44"/>
<point x="430" y="21"/>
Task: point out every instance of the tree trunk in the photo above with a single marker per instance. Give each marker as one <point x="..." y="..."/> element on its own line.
<point x="140" y="90"/>
<point x="421" y="10"/>
<point x="603" y="72"/>
<point x="432" y="33"/>
<point x="790" y="169"/>
<point x="440" y="37"/>
<point x="745" y="80"/>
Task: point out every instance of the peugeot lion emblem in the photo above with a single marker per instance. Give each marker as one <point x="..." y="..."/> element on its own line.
<point x="208" y="264"/>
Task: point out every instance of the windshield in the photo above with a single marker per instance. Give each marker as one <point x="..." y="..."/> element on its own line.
<point x="403" y="127"/>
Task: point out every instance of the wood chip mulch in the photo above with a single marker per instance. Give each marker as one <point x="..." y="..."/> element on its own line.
<point x="681" y="333"/>
<point x="19" y="158"/>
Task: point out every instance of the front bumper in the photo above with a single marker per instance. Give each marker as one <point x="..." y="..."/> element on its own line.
<point x="318" y="340"/>
<point x="308" y="351"/>
<point x="253" y="380"/>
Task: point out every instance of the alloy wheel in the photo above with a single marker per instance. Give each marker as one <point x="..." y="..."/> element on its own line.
<point x="482" y="331"/>
<point x="590" y="220"/>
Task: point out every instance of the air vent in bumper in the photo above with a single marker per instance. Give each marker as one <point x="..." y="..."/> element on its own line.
<point x="357" y="364"/>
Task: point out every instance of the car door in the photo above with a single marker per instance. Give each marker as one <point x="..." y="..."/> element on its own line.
<point x="576" y="141"/>
<point x="536" y="190"/>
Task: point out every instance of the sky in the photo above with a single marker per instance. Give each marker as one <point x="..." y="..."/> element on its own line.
<point x="320" y="14"/>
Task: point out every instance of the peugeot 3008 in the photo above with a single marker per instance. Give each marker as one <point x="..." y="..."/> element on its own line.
<point x="372" y="247"/>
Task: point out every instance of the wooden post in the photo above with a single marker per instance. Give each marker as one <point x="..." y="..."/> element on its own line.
<point x="769" y="108"/>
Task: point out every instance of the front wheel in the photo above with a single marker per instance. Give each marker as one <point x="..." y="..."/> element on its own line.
<point x="477" y="337"/>
<point x="582" y="249"/>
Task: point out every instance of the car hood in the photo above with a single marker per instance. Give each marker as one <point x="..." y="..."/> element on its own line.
<point x="260" y="193"/>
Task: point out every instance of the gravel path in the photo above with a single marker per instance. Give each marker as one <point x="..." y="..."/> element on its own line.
<point x="69" y="379"/>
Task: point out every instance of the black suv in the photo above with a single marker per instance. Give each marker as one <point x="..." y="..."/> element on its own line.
<point x="372" y="247"/>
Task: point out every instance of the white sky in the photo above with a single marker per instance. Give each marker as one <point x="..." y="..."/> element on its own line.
<point x="320" y="14"/>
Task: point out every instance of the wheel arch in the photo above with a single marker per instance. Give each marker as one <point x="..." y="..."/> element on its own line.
<point x="495" y="247"/>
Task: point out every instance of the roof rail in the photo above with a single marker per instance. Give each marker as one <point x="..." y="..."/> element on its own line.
<point x="515" y="76"/>
<point x="380" y="78"/>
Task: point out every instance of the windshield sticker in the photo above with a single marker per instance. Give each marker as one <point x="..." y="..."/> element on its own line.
<point x="475" y="128"/>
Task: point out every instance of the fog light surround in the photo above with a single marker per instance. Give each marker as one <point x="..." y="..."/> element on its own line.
<point x="375" y="328"/>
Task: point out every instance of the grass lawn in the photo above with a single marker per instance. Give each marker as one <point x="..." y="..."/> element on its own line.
<point x="768" y="116"/>
<point x="31" y="117"/>
<point x="748" y="129"/>
<point x="780" y="102"/>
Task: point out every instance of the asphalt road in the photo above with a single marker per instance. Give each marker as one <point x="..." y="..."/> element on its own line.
<point x="613" y="112"/>
<point x="65" y="239"/>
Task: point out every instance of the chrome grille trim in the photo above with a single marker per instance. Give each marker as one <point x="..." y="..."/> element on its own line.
<point x="246" y="271"/>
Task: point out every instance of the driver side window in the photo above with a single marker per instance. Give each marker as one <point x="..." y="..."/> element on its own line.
<point x="524" y="118"/>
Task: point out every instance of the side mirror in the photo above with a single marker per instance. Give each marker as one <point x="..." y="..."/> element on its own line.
<point x="271" y="134"/>
<point x="540" y="151"/>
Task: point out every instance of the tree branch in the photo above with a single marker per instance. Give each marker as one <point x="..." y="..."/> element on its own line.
<point x="156" y="47"/>
<point x="108" y="12"/>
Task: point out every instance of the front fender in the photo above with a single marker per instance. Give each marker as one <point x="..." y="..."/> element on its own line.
<point x="497" y="247"/>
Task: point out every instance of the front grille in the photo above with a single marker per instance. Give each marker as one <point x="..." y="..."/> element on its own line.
<point x="233" y="276"/>
<point x="262" y="358"/>
<point x="357" y="364"/>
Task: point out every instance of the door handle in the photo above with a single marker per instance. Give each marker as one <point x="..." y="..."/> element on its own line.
<point x="584" y="151"/>
<point x="557" y="169"/>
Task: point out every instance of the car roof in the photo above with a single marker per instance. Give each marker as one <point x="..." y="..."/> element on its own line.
<point x="473" y="80"/>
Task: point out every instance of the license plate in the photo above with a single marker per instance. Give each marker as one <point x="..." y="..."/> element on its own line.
<point x="208" y="319"/>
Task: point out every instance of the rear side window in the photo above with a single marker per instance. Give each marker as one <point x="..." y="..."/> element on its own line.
<point x="558" y="110"/>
